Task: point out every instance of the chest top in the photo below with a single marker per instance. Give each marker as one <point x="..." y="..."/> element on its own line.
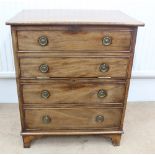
<point x="82" y="17"/>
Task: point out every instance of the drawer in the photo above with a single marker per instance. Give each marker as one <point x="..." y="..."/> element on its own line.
<point x="74" y="67"/>
<point x="97" y="40"/>
<point x="84" y="92"/>
<point x="72" y="118"/>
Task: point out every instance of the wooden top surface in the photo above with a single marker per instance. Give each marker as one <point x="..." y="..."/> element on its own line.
<point x="65" y="17"/>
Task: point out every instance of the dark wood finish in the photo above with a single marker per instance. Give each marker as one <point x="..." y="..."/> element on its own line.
<point x="73" y="96"/>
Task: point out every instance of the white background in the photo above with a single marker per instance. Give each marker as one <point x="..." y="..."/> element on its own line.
<point x="143" y="82"/>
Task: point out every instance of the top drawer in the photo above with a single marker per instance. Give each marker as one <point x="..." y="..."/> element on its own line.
<point x="68" y="40"/>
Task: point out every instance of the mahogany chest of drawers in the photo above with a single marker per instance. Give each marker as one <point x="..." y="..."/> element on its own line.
<point x="73" y="70"/>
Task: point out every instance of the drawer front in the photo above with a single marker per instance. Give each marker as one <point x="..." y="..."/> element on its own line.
<point x="74" y="92"/>
<point x="72" y="118"/>
<point x="74" y="67"/>
<point x="69" y="40"/>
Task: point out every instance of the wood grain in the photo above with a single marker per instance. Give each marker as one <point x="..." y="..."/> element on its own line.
<point x="133" y="43"/>
<point x="72" y="118"/>
<point x="74" y="39"/>
<point x="74" y="54"/>
<point x="74" y="67"/>
<point x="17" y="68"/>
<point x="74" y="92"/>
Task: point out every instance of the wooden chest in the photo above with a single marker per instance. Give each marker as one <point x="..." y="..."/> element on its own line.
<point x="73" y="70"/>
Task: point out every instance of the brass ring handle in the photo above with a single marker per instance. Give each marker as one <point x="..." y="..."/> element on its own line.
<point x="43" y="40"/>
<point x="46" y="119"/>
<point x="45" y="94"/>
<point x="104" y="67"/>
<point x="99" y="118"/>
<point x="44" y="68"/>
<point x="102" y="93"/>
<point x="106" y="41"/>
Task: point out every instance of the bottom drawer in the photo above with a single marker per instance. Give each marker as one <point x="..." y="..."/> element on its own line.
<point x="72" y="118"/>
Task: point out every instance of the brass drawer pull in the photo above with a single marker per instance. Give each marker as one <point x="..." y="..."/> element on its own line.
<point x="45" y="94"/>
<point x="46" y="119"/>
<point x="104" y="67"/>
<point x="106" y="41"/>
<point x="99" y="118"/>
<point x="44" y="68"/>
<point x="102" y="93"/>
<point x="43" y="40"/>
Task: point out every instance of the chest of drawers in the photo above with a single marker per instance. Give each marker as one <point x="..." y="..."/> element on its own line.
<point x="73" y="70"/>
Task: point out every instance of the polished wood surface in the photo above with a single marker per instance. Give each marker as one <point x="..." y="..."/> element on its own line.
<point x="74" y="67"/>
<point x="67" y="17"/>
<point x="83" y="92"/>
<point x="74" y="39"/>
<point x="72" y="118"/>
<point x="74" y="96"/>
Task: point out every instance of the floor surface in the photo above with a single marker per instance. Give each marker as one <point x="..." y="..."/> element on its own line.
<point x="139" y="136"/>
